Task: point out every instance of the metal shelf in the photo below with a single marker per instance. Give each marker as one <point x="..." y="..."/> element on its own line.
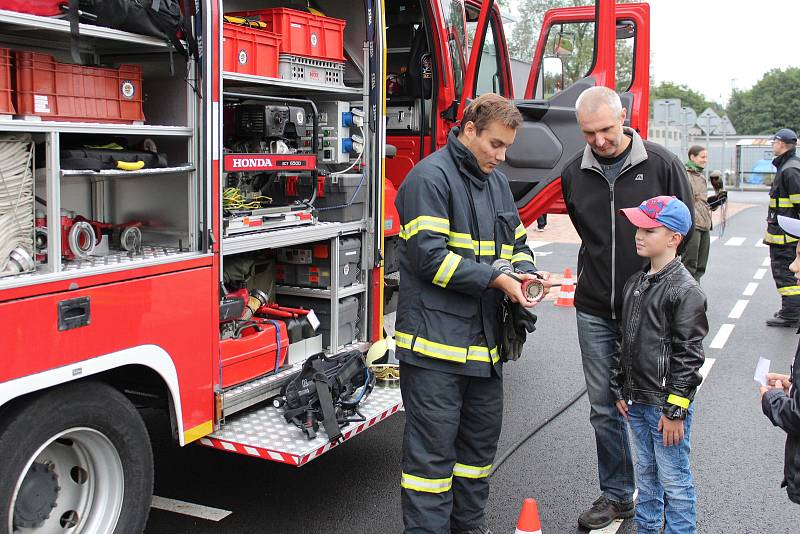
<point x="55" y="33"/>
<point x="299" y="87"/>
<point x="114" y="173"/>
<point x="293" y="291"/>
<point x="92" y="127"/>
<point x="287" y="237"/>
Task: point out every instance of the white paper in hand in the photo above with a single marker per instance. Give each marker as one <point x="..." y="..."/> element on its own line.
<point x="762" y="368"/>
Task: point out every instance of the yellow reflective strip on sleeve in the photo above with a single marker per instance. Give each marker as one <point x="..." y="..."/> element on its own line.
<point x="678" y="401"/>
<point x="520" y="232"/>
<point x="471" y="471"/>
<point x="789" y="290"/>
<point x="427" y="485"/>
<point x="425" y="222"/>
<point x="507" y="252"/>
<point x="775" y="239"/>
<point x="794" y="199"/>
<point x="784" y="203"/>
<point x="773" y="203"/>
<point x="521" y="256"/>
<point x="476" y="353"/>
<point x="484" y="248"/>
<point x="439" y="350"/>
<point x="446" y="269"/>
<point x="790" y="239"/>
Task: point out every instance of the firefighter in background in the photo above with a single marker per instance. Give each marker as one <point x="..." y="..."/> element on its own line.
<point x="458" y="216"/>
<point x="784" y="199"/>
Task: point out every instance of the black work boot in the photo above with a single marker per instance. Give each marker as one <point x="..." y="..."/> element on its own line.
<point x="604" y="511"/>
<point x="780" y="320"/>
<point x="476" y="530"/>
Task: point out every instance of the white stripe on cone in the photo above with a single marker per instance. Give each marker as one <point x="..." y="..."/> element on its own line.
<point x="518" y="531"/>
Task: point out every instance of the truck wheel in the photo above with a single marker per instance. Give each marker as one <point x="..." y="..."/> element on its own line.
<point x="76" y="459"/>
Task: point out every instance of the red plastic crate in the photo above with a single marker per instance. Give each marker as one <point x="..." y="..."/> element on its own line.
<point x="250" y="51"/>
<point x="6" y="107"/>
<point x="302" y="34"/>
<point x="66" y="92"/>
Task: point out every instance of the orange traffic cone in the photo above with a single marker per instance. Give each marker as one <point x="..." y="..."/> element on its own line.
<point x="528" y="522"/>
<point x="567" y="295"/>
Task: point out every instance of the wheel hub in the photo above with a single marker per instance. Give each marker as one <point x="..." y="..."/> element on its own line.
<point x="37" y="496"/>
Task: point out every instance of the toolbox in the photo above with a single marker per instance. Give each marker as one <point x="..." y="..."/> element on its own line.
<point x="52" y="90"/>
<point x="348" y="316"/>
<point x="310" y="265"/>
<point x="302" y="34"/>
<point x="257" y="351"/>
<point x="250" y="50"/>
<point x="343" y="199"/>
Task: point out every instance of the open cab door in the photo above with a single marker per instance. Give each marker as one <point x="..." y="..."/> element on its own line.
<point x="578" y="47"/>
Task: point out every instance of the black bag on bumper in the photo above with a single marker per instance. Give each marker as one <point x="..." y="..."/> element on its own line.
<point x="98" y="159"/>
<point x="328" y="389"/>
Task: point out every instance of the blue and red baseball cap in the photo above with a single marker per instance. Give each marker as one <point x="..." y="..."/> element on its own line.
<point x="661" y="211"/>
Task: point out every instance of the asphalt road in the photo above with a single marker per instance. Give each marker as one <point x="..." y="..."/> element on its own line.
<point x="737" y="454"/>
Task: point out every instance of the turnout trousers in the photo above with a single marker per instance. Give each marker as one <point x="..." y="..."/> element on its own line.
<point x="452" y="426"/>
<point x="781" y="256"/>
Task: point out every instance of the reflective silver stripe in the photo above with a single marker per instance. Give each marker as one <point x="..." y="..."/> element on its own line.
<point x="446" y="269"/>
<point x="425" y="222"/>
<point x="482" y="354"/>
<point x="439" y="350"/>
<point x="521" y="256"/>
<point x="403" y="340"/>
<point x="520" y="232"/>
<point x="427" y="485"/>
<point x="471" y="471"/>
<point x="507" y="252"/>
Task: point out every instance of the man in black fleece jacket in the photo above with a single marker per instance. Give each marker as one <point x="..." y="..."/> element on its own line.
<point x="615" y="170"/>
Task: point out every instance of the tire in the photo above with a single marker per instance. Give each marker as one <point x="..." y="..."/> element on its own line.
<point x="76" y="459"/>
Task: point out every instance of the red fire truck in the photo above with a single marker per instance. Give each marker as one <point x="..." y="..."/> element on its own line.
<point x="184" y="232"/>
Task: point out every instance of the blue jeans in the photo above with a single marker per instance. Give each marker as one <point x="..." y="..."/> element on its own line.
<point x="599" y="339"/>
<point x="663" y="475"/>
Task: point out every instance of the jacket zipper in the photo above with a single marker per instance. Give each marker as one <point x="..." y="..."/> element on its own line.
<point x="613" y="250"/>
<point x="629" y="334"/>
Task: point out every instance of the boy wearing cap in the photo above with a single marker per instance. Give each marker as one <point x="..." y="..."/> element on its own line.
<point x="784" y="199"/>
<point x="656" y="372"/>
<point x="780" y="398"/>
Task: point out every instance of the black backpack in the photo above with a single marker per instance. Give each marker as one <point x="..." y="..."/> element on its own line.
<point x="157" y="18"/>
<point x="325" y="390"/>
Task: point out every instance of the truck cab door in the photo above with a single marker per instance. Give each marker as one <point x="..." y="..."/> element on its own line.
<point x="578" y="48"/>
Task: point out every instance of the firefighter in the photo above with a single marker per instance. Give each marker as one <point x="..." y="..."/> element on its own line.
<point x="458" y="216"/>
<point x="784" y="199"/>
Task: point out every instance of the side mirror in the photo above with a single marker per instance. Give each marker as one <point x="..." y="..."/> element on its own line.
<point x="553" y="76"/>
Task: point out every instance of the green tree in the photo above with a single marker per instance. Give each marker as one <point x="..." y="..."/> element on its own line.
<point x="771" y="104"/>
<point x="689" y="97"/>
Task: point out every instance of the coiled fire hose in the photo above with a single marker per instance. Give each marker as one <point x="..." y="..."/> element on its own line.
<point x="16" y="204"/>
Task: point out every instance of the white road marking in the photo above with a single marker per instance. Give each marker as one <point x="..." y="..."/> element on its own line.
<point x="735" y="242"/>
<point x="765" y="263"/>
<point x="538" y="254"/>
<point x="759" y="274"/>
<point x="722" y="336"/>
<point x="713" y="238"/>
<point x="760" y="243"/>
<point x="610" y="529"/>
<point x="705" y="369"/>
<point x="750" y="290"/>
<point x="537" y="244"/>
<point x="738" y="309"/>
<point x="187" y="508"/>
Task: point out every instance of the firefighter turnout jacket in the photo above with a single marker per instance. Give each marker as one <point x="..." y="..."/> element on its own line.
<point x="784" y="198"/>
<point x="455" y="221"/>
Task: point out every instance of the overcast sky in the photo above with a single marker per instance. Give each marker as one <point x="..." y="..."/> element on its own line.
<point x="706" y="43"/>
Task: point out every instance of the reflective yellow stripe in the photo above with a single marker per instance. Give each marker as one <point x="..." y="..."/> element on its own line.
<point x="773" y="203"/>
<point x="521" y="256"/>
<point x="507" y="252"/>
<point x="784" y="203"/>
<point x="678" y="401"/>
<point x="789" y="290"/>
<point x="446" y="269"/>
<point x="427" y="485"/>
<point x="461" y="240"/>
<point x="476" y="353"/>
<point x="794" y="199"/>
<point x="471" y="471"/>
<point x="520" y="232"/>
<point x="425" y="222"/>
<point x="446" y="352"/>
<point x="197" y="432"/>
<point x="779" y="239"/>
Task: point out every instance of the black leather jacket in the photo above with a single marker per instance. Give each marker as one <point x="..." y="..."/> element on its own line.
<point x="663" y="325"/>
<point x="784" y="412"/>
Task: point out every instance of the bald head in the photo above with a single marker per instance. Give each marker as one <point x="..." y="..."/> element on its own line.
<point x="594" y="98"/>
